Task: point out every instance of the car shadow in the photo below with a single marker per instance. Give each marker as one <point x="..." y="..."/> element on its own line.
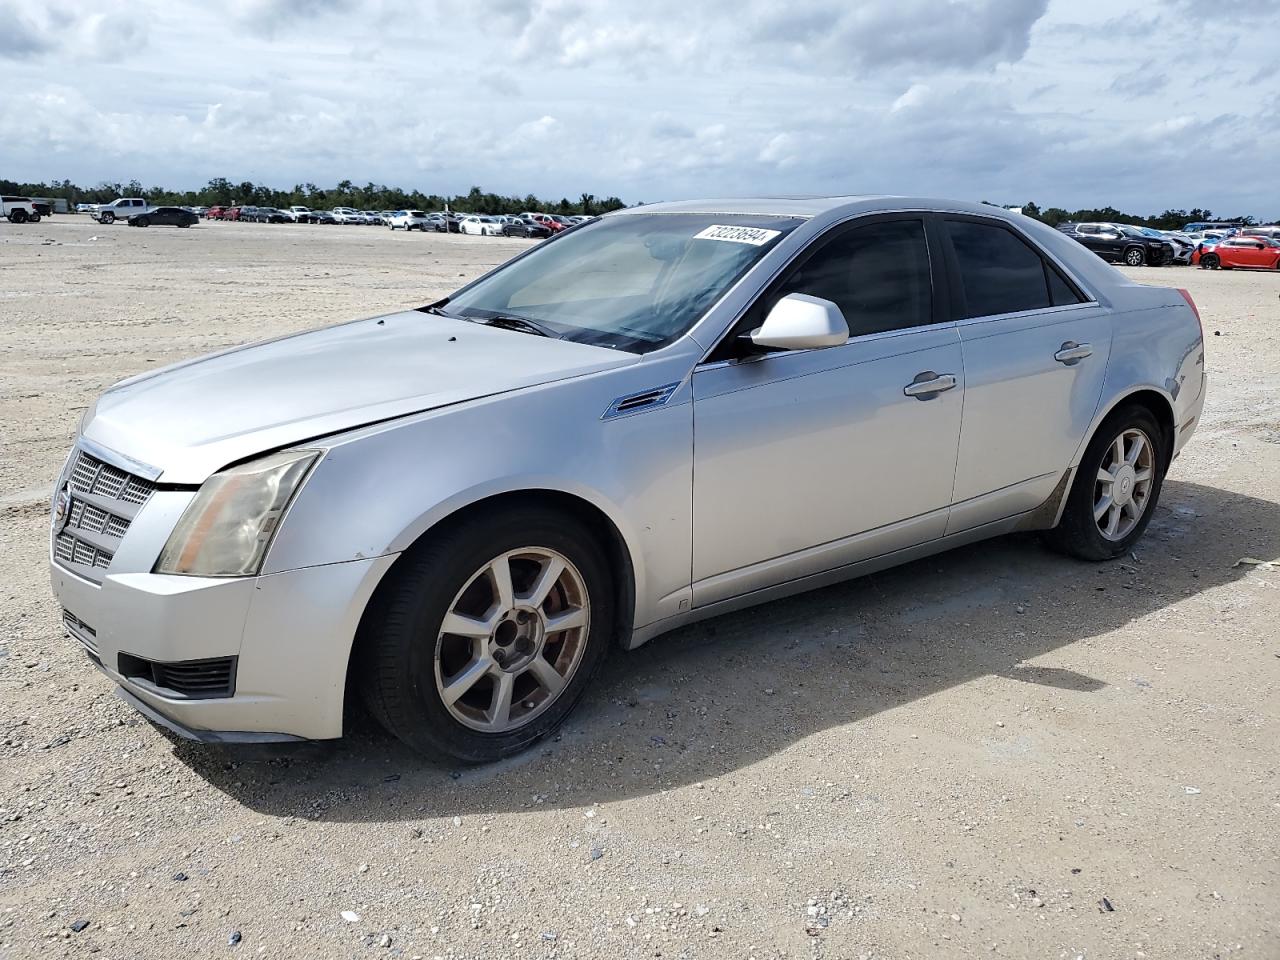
<point x="716" y="697"/>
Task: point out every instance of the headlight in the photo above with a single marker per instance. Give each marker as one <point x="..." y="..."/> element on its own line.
<point x="226" y="529"/>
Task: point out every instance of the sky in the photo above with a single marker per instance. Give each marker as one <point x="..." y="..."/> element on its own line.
<point x="1071" y="103"/>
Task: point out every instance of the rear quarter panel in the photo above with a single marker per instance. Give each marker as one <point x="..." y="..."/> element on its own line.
<point x="1157" y="345"/>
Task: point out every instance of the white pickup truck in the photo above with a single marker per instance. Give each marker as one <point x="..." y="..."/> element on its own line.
<point x="121" y="209"/>
<point x="19" y="210"/>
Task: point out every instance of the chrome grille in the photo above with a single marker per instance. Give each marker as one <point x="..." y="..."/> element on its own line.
<point x="91" y="475"/>
<point x="103" y="501"/>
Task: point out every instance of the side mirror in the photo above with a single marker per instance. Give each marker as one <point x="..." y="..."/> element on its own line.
<point x="801" y="322"/>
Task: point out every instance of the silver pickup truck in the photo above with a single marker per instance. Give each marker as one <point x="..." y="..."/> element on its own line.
<point x="121" y="209"/>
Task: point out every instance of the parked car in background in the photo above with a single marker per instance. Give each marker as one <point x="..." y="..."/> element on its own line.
<point x="299" y="214"/>
<point x="121" y="209"/>
<point x="86" y="207"/>
<point x="164" y="217"/>
<point x="548" y="221"/>
<point x="1266" y="230"/>
<point x="349" y="526"/>
<point x="447" y="223"/>
<point x="1240" y="252"/>
<point x="199" y="211"/>
<point x="515" y="227"/>
<point x="347" y="215"/>
<point x="409" y="220"/>
<point x="19" y="210"/>
<point x="481" y="226"/>
<point x="1200" y="226"/>
<point x="215" y="213"/>
<point x="323" y="216"/>
<point x="232" y="213"/>
<point x="1180" y="246"/>
<point x="1117" y="243"/>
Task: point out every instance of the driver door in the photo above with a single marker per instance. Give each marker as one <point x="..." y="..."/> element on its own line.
<point x="808" y="460"/>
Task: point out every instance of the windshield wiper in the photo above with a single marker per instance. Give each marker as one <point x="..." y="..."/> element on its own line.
<point x="512" y="322"/>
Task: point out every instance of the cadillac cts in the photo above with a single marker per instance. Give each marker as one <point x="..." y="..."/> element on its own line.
<point x="457" y="512"/>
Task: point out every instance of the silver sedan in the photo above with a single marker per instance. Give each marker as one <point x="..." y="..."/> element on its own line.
<point x="662" y="414"/>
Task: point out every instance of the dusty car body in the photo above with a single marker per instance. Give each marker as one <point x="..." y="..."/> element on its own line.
<point x="601" y="491"/>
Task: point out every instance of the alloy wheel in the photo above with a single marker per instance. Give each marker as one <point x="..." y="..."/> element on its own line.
<point x="512" y="639"/>
<point x="1123" y="487"/>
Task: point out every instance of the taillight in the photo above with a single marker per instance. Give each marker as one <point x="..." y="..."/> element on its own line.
<point x="1186" y="295"/>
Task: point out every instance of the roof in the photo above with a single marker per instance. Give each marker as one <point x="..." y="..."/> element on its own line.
<point x="812" y="206"/>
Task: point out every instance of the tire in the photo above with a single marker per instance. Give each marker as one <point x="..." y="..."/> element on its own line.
<point x="1082" y="536"/>
<point x="17" y="216"/>
<point x="107" y="218"/>
<point x="34" y="218"/>
<point x="1135" y="257"/>
<point x="1210" y="261"/>
<point x="405" y="660"/>
<point x="184" y="224"/>
<point x="143" y="222"/>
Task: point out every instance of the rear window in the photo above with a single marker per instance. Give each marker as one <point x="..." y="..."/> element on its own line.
<point x="1001" y="273"/>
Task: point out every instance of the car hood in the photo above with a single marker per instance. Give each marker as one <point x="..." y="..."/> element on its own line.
<point x="191" y="419"/>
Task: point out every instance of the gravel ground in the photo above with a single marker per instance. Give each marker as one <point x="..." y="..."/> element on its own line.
<point x="994" y="752"/>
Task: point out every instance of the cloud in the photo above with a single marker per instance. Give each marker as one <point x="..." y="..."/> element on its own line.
<point x="1143" y="81"/>
<point x="19" y="36"/>
<point x="989" y="99"/>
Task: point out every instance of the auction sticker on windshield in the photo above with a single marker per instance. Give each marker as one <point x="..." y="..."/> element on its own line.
<point x="756" y="236"/>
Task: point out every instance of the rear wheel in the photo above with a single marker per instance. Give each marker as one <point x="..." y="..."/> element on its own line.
<point x="34" y="218"/>
<point x="143" y="221"/>
<point x="17" y="216"/>
<point x="1116" y="488"/>
<point x="489" y="634"/>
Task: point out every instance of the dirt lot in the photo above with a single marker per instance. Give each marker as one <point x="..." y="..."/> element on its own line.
<point x="962" y="757"/>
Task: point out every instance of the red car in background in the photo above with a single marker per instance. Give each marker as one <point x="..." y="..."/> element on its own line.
<point x="1258" y="253"/>
<point x="546" y="219"/>
<point x="214" y="213"/>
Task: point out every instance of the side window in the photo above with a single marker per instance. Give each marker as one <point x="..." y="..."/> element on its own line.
<point x="1060" y="292"/>
<point x="1001" y="273"/>
<point x="877" y="274"/>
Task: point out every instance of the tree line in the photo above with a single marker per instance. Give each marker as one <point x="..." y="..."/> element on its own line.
<point x="1169" y="220"/>
<point x="222" y="192"/>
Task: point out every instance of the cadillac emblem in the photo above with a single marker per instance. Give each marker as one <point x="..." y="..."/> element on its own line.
<point x="61" y="510"/>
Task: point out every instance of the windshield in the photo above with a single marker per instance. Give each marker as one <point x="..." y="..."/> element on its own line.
<point x="633" y="281"/>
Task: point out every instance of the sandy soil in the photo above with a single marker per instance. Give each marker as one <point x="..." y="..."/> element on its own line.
<point x="962" y="757"/>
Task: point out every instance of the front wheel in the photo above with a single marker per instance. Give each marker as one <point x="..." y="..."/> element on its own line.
<point x="107" y="218"/>
<point x="488" y="635"/>
<point x="1116" y="488"/>
<point x="1210" y="262"/>
<point x="1135" y="256"/>
<point x="34" y="218"/>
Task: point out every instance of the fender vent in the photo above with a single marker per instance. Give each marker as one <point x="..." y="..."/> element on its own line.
<point x="636" y="402"/>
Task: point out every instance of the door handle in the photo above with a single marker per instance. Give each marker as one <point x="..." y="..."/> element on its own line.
<point x="928" y="385"/>
<point x="1072" y="353"/>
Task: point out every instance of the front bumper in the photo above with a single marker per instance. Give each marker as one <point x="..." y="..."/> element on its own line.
<point x="291" y="633"/>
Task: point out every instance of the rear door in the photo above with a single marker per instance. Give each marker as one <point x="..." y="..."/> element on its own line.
<point x="1035" y="353"/>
